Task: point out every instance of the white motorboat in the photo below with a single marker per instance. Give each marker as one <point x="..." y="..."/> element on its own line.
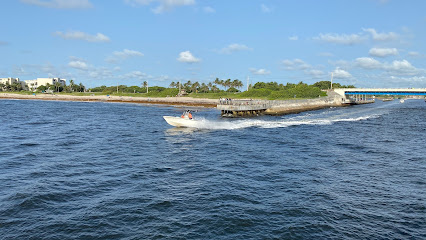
<point x="180" y="122"/>
<point x="402" y="101"/>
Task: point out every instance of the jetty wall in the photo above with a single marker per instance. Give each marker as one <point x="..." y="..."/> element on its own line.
<point x="296" y="106"/>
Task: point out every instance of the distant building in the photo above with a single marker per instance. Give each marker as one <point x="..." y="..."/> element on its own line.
<point x="10" y="81"/>
<point x="34" y="84"/>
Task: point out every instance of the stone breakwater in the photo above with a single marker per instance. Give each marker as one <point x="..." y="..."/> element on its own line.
<point x="255" y="107"/>
<point x="296" y="106"/>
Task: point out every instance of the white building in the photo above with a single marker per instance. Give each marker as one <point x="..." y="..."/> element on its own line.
<point x="34" y="84"/>
<point x="10" y="81"/>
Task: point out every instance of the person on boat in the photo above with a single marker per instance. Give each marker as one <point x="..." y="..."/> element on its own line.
<point x="189" y="115"/>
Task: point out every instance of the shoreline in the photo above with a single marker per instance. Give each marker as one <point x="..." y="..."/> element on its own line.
<point x="282" y="107"/>
<point x="173" y="101"/>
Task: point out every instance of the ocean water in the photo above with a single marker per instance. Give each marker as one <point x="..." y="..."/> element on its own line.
<point x="87" y="170"/>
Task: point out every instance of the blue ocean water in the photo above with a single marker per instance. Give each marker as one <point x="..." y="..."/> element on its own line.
<point x="85" y="170"/>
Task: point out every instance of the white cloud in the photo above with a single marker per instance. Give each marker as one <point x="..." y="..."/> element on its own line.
<point x="296" y="64"/>
<point x="61" y="4"/>
<point x="77" y="35"/>
<point x="187" y="57"/>
<point x="368" y="63"/>
<point x="78" y="65"/>
<point x="209" y="9"/>
<point x="293" y="38"/>
<point x="315" y="73"/>
<point x="381" y="36"/>
<point x="341" y="74"/>
<point x="383" y="52"/>
<point x="46" y="69"/>
<point x="402" y="68"/>
<point x="135" y="75"/>
<point x="259" y="71"/>
<point x="234" y="48"/>
<point x="123" y="55"/>
<point x="265" y="9"/>
<point x="163" y="5"/>
<point x="344" y="39"/>
<point x="135" y="3"/>
<point x="413" y="54"/>
<point x="397" y="67"/>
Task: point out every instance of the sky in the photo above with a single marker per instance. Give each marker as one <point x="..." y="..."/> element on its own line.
<point x="366" y="43"/>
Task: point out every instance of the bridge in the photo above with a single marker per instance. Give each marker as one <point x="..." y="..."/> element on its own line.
<point x="359" y="95"/>
<point x="381" y="91"/>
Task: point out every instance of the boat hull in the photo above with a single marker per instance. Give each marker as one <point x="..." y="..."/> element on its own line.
<point x="180" y="122"/>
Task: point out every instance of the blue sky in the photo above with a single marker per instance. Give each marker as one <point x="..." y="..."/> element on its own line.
<point x="368" y="43"/>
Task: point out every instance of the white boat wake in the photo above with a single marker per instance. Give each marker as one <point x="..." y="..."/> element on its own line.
<point x="324" y="118"/>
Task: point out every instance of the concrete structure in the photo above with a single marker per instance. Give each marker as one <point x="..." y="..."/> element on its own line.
<point x="237" y="108"/>
<point x="34" y="84"/>
<point x="380" y="91"/>
<point x="234" y="108"/>
<point x="359" y="95"/>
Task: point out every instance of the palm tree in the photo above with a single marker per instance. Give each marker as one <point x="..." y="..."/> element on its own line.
<point x="57" y="86"/>
<point x="236" y="84"/>
<point x="195" y="86"/>
<point x="172" y="85"/>
<point x="187" y="86"/>
<point x="227" y="83"/>
<point x="219" y="82"/>
<point x="144" y="84"/>
<point x="81" y="87"/>
<point x="71" y="86"/>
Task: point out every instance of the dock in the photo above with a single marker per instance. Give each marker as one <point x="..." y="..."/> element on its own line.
<point x="241" y="108"/>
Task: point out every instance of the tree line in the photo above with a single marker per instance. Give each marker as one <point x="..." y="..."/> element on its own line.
<point x="195" y="87"/>
<point x="220" y="88"/>
<point x="57" y="87"/>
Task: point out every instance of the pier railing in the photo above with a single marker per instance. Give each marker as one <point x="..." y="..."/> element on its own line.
<point x="243" y="105"/>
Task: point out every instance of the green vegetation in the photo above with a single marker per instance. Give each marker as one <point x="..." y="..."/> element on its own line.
<point x="57" y="87"/>
<point x="230" y="89"/>
<point x="216" y="89"/>
<point x="14" y="87"/>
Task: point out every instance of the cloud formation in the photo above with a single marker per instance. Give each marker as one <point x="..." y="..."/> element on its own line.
<point x="259" y="71"/>
<point x="381" y="36"/>
<point x="77" y="64"/>
<point x="163" y="5"/>
<point x="265" y="9"/>
<point x="77" y="35"/>
<point x="61" y="4"/>
<point x="209" y="9"/>
<point x="344" y="39"/>
<point x="341" y="74"/>
<point x="187" y="57"/>
<point x="383" y="52"/>
<point x="397" y="67"/>
<point x="235" y="47"/>
<point x="368" y="63"/>
<point x="293" y="38"/>
<point x="413" y="54"/>
<point x="118" y="56"/>
<point x="296" y="64"/>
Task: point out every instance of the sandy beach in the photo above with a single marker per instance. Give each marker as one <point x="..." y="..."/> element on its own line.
<point x="186" y="101"/>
